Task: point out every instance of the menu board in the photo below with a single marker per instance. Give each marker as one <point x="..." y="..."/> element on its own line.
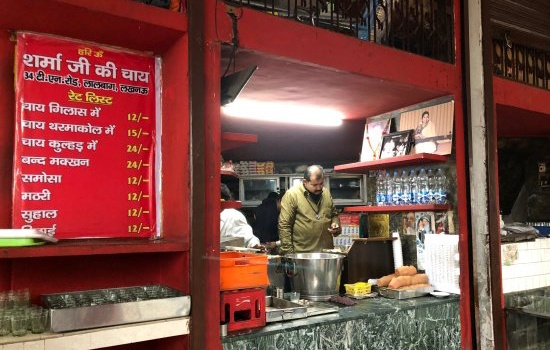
<point x="442" y="262"/>
<point x="84" y="155"/>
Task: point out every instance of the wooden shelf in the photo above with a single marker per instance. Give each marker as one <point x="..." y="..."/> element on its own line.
<point x="394" y="162"/>
<point x="99" y="246"/>
<point x="232" y="140"/>
<point x="397" y="208"/>
<point x="231" y="204"/>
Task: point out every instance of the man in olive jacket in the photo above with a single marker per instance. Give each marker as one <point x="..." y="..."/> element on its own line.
<point x="308" y="219"/>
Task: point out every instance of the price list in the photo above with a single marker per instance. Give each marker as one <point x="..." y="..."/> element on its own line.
<point x="84" y="139"/>
<point x="136" y="136"/>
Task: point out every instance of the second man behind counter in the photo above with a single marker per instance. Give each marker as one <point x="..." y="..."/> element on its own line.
<point x="266" y="221"/>
<point x="308" y="220"/>
<point x="234" y="224"/>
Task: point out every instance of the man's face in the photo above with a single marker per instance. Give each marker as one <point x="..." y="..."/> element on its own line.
<point x="314" y="185"/>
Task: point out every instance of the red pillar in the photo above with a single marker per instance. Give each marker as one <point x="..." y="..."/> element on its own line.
<point x="204" y="81"/>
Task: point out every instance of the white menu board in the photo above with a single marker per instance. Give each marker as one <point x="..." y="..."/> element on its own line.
<point x="441" y="262"/>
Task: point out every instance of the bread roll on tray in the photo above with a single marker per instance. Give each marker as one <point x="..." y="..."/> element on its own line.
<point x="420" y="278"/>
<point x="384" y="281"/>
<point x="405" y="271"/>
<point x="403" y="280"/>
<point x="400" y="281"/>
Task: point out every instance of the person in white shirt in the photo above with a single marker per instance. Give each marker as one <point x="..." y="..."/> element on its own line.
<point x="233" y="223"/>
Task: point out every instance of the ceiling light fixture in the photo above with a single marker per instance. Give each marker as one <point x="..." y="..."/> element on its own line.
<point x="283" y="112"/>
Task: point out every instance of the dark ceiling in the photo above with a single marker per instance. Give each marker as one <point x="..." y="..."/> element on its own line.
<point x="277" y="79"/>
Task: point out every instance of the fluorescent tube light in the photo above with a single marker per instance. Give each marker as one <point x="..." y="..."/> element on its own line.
<point x="283" y="112"/>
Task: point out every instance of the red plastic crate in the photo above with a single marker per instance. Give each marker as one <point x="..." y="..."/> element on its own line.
<point x="243" y="309"/>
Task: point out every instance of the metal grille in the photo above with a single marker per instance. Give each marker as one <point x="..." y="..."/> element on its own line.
<point x="423" y="27"/>
<point x="521" y="63"/>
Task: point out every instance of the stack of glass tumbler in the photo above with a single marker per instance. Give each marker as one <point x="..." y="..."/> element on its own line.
<point x="18" y="316"/>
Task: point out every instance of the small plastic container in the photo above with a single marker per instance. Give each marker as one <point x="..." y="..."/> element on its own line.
<point x="358" y="289"/>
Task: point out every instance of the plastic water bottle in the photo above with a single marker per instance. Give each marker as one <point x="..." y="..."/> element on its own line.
<point x="397" y="189"/>
<point x="431" y="187"/>
<point x="405" y="188"/>
<point x="423" y="187"/>
<point x="413" y="180"/>
<point x="440" y="187"/>
<point x="380" y="189"/>
<point x="389" y="189"/>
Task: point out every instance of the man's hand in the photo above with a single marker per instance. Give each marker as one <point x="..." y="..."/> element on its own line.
<point x="334" y="229"/>
<point x="262" y="248"/>
<point x="270" y="245"/>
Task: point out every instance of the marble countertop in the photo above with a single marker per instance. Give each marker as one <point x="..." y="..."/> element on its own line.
<point x="364" y="308"/>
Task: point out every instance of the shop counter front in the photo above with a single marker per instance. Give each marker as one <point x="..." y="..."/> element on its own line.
<point x="373" y="323"/>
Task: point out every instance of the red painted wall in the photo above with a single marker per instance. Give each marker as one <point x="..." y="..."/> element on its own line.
<point x="130" y="25"/>
<point x="7" y="119"/>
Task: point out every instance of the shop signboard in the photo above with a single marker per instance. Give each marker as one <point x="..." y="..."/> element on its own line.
<point x="85" y="130"/>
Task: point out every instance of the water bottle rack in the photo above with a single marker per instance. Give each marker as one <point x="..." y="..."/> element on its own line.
<point x="392" y="163"/>
<point x="389" y="163"/>
<point x="397" y="208"/>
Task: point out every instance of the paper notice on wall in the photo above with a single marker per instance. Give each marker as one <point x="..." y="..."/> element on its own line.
<point x="441" y="262"/>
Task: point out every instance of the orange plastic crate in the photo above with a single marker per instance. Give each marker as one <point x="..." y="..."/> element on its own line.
<point x="242" y="270"/>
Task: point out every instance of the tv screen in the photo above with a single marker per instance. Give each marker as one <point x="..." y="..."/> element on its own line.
<point x="232" y="84"/>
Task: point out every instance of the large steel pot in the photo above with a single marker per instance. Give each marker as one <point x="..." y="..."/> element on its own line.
<point x="315" y="275"/>
<point x="275" y="271"/>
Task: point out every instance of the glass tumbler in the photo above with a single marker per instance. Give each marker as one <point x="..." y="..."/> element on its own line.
<point x="5" y="324"/>
<point x="19" y="324"/>
<point x="3" y="300"/>
<point x="39" y="321"/>
<point x="23" y="297"/>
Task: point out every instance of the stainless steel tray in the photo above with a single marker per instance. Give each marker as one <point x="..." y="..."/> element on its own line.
<point x="319" y="308"/>
<point x="404" y="294"/>
<point x="277" y="309"/>
<point x="108" y="307"/>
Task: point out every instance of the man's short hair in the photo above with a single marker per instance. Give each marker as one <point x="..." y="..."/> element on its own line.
<point x="310" y="170"/>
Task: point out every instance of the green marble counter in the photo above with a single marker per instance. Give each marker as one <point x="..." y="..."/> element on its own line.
<point x="377" y="323"/>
